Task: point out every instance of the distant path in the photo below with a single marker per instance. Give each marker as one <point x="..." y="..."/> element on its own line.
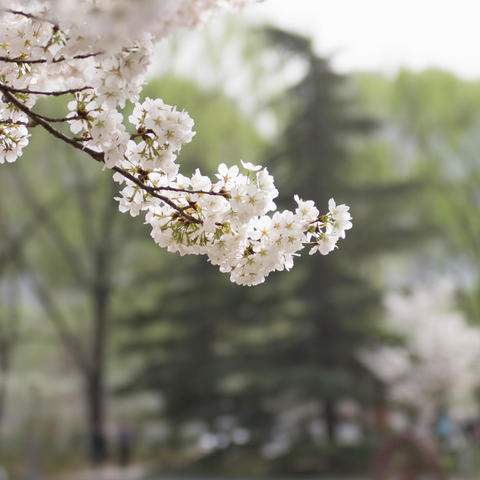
<point x="138" y="472"/>
<point x="216" y="477"/>
<point x="135" y="472"/>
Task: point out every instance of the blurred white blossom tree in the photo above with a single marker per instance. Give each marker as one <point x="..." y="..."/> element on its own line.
<point x="439" y="364"/>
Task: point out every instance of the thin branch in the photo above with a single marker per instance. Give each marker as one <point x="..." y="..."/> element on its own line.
<point x="98" y="156"/>
<point x="25" y="124"/>
<point x="82" y="139"/>
<point x="44" y="60"/>
<point x="199" y="192"/>
<point x="54" y="93"/>
<point x="152" y="192"/>
<point x="42" y="121"/>
<point x="58" y="120"/>
<point x="31" y="16"/>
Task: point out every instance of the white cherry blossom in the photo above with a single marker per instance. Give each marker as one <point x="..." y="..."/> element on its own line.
<point x="96" y="53"/>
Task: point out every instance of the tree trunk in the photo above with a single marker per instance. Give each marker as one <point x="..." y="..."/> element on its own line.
<point x="96" y="373"/>
<point x="8" y="338"/>
<point x="97" y="440"/>
<point x="101" y="295"/>
<point x="330" y="421"/>
<point x="4" y="371"/>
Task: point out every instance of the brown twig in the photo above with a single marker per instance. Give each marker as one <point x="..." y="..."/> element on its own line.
<point x="44" y="60"/>
<point x="58" y="120"/>
<point x="55" y="94"/>
<point x="25" y="124"/>
<point x="199" y="192"/>
<point x="31" y="16"/>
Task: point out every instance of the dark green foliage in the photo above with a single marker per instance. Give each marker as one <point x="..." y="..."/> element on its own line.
<point x="233" y="357"/>
<point x="316" y="155"/>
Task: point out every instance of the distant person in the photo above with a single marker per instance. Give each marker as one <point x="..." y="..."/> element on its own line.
<point x="469" y="428"/>
<point x="443" y="427"/>
<point x="125" y="446"/>
<point x="472" y="430"/>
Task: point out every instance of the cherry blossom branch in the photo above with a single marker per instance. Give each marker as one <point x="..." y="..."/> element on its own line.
<point x="40" y="119"/>
<point x="98" y="156"/>
<point x="152" y="192"/>
<point x="82" y="139"/>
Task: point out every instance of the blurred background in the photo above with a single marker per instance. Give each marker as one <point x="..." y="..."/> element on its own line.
<point x="120" y="361"/>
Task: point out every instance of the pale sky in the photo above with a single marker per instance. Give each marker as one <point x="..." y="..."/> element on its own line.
<point x="385" y="34"/>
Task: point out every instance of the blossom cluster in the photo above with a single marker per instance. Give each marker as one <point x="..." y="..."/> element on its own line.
<point x="229" y="220"/>
<point x="97" y="52"/>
